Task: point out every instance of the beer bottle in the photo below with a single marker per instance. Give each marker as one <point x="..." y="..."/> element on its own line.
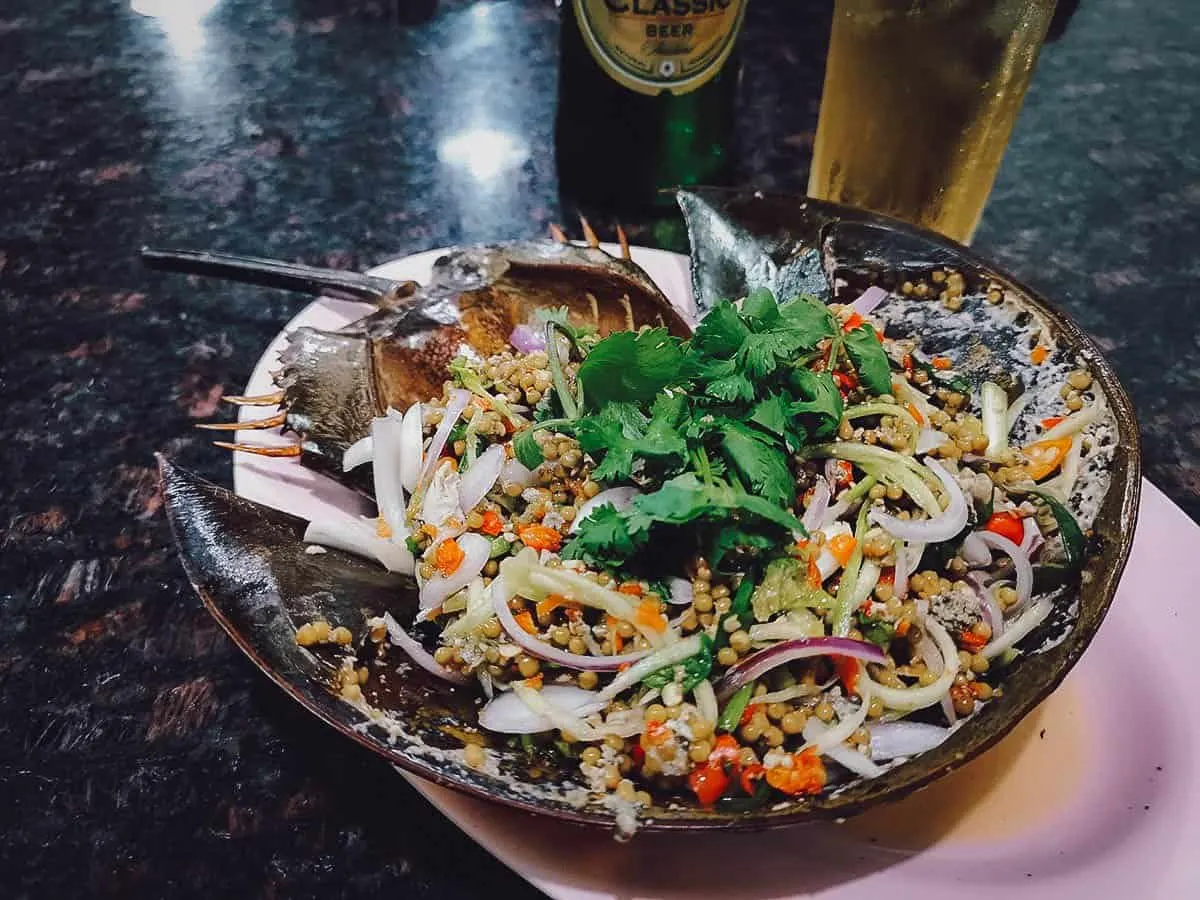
<point x="645" y="98"/>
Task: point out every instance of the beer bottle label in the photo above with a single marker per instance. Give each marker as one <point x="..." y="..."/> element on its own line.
<point x="651" y="46"/>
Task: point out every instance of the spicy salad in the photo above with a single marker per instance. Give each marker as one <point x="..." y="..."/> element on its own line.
<point x="750" y="565"/>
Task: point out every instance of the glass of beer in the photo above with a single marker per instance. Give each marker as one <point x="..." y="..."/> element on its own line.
<point x="919" y="101"/>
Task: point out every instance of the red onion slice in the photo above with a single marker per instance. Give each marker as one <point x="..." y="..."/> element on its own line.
<point x="755" y="666"/>
<point x="1032" y="539"/>
<point x="481" y="477"/>
<point x="1022" y="566"/>
<point x="868" y="301"/>
<point x="619" y="498"/>
<point x="358" y="536"/>
<point x="527" y="339"/>
<point x="509" y="714"/>
<point x="459" y="399"/>
<point x="475" y="548"/>
<point x="548" y="652"/>
<point x="411" y="430"/>
<point x="418" y="654"/>
<point x="357" y="454"/>
<point x="991" y="609"/>
<point x="814" y="516"/>
<point x="939" y="528"/>
<point x="892" y="739"/>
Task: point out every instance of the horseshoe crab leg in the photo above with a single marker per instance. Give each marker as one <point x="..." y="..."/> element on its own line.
<point x="623" y="240"/>
<point x="273" y="422"/>
<point x="272" y="399"/>
<point x="337" y="283"/>
<point x="588" y="234"/>
<point x="290" y="450"/>
<point x="557" y="234"/>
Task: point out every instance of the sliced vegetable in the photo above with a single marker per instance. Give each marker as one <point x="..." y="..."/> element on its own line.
<point x="731" y="715"/>
<point x="475" y="552"/>
<point x="419" y="654"/>
<point x="942" y="526"/>
<point x="359" y="536"/>
<point x="755" y="666"/>
<point x="995" y="418"/>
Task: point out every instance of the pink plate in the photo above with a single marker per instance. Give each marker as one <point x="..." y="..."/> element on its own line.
<point x="1094" y="794"/>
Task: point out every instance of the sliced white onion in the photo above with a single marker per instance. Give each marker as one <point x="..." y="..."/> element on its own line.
<point x="543" y="650"/>
<point x="1015" y="410"/>
<point x="359" y="536"/>
<point x="892" y="739"/>
<point x="1019" y="628"/>
<point x="868" y="577"/>
<point x="869" y="300"/>
<point x="975" y="551"/>
<point x="481" y="477"/>
<point x="706" y="701"/>
<point x="939" y="528"/>
<point x="831" y="473"/>
<point x="682" y="593"/>
<point x="513" y="472"/>
<point x="1023" y="568"/>
<point x="948" y="710"/>
<point x="510" y="714"/>
<point x="443" y="499"/>
<point x="991" y="609"/>
<point x="814" y="516"/>
<point x="906" y="393"/>
<point x="527" y="339"/>
<point x="455" y="406"/>
<point x="854" y="760"/>
<point x="670" y="655"/>
<point x="357" y="454"/>
<point x="563" y="719"/>
<point x="1076" y="422"/>
<point x="995" y="418"/>
<point x="619" y="498"/>
<point x="411" y="431"/>
<point x="478" y="611"/>
<point x="929" y="439"/>
<point x="911" y="699"/>
<point x="823" y="737"/>
<point x="797" y="625"/>
<point x="827" y="563"/>
<point x="419" y="654"/>
<point x="389" y="492"/>
<point x="788" y="693"/>
<point x="901" y="572"/>
<point x="475" y="548"/>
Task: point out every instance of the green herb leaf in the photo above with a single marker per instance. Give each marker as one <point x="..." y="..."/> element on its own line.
<point x="760" y="307"/>
<point x="877" y="631"/>
<point x="1072" y="535"/>
<point x="619" y="433"/>
<point x="628" y="367"/>
<point x="820" y="403"/>
<point x="761" y="462"/>
<point x="741" y="608"/>
<point x="874" y="373"/>
<point x="721" y="332"/>
<point x="528" y="452"/>
<point x="604" y="537"/>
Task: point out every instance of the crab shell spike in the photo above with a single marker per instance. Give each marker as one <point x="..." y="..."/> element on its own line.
<point x="273" y="422"/>
<point x="557" y="234"/>
<point x="588" y="234"/>
<point x="288" y="451"/>
<point x="623" y="240"/>
<point x="272" y="399"/>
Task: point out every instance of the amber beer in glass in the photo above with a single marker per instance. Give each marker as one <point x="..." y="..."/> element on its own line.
<point x="919" y="101"/>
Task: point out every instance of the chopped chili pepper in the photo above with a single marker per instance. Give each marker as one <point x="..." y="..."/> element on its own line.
<point x="656" y="733"/>
<point x="845" y="381"/>
<point x="449" y="461"/>
<point x="617" y="641"/>
<point x="540" y="537"/>
<point x="853" y="322"/>
<point x="448" y="557"/>
<point x="638" y="754"/>
<point x="1007" y="524"/>
<point x="1046" y="456"/>
<point x="749" y="775"/>
<point x="1051" y="422"/>
<point x="806" y="775"/>
<point x="842" y="547"/>
<point x="814" y="572"/>
<point x="906" y="362"/>
<point x="535" y="682"/>
<point x="847" y="669"/>
<point x="971" y="641"/>
<point x="525" y="620"/>
<point x="845" y="473"/>
<point x="941" y="363"/>
<point x="631" y="587"/>
<point x="747" y="715"/>
<point x="492" y="523"/>
<point x="1038" y="355"/>
<point x="649" y="616"/>
<point x="962" y="692"/>
<point x="725" y="749"/>
<point x="888" y="575"/>
<point x="915" y="413"/>
<point x="551" y="603"/>
<point x="708" y="783"/>
<point x="903" y="627"/>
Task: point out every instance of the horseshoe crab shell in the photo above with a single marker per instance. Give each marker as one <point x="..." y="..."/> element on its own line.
<point x="249" y="566"/>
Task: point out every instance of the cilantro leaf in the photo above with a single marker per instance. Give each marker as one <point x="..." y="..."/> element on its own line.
<point x="732" y="537"/>
<point x="629" y="367"/>
<point x="602" y="537"/>
<point x="862" y="344"/>
<point x="877" y="631"/>
<point x="760" y="307"/>
<point x="686" y="498"/>
<point x="762" y="354"/>
<point x="760" y="462"/>
<point x="777" y="414"/>
<point x="721" y="332"/>
<point x="808" y="314"/>
<point x="619" y="433"/>
<point x="529" y="453"/>
<point x="725" y="382"/>
<point x="821" y="399"/>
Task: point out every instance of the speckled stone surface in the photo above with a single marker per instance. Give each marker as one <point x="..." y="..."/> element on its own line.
<point x="140" y="755"/>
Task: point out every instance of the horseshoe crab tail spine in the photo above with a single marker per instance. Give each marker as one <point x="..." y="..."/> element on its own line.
<point x="272" y="399"/>
<point x="588" y="234"/>
<point x="289" y="450"/>
<point x="272" y="422"/>
<point x="623" y="240"/>
<point x="557" y="234"/>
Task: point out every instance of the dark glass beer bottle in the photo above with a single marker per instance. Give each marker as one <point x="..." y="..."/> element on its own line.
<point x="645" y="98"/>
